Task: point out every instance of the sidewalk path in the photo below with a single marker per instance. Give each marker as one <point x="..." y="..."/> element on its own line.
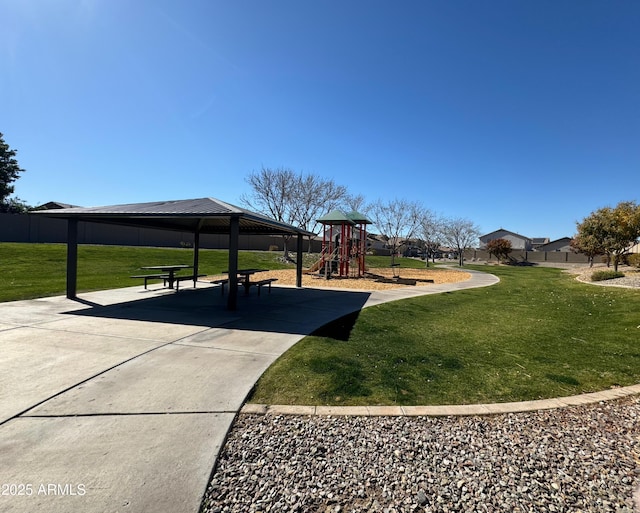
<point x="120" y="401"/>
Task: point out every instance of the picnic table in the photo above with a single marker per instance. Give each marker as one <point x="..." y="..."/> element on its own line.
<point x="245" y="281"/>
<point x="169" y="270"/>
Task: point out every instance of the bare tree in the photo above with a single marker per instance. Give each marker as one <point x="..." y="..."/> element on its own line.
<point x="356" y="203"/>
<point x="315" y="196"/>
<point x="397" y="220"/>
<point x="460" y="234"/>
<point x="292" y="198"/>
<point x="272" y="194"/>
<point x="430" y="231"/>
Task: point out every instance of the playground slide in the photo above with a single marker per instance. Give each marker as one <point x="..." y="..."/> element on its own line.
<point x="318" y="264"/>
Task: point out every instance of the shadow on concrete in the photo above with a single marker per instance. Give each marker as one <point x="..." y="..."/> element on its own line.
<point x="284" y="310"/>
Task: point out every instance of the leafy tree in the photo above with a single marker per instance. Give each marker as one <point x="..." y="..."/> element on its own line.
<point x="14" y="206"/>
<point x="500" y="248"/>
<point x="397" y="220"/>
<point x="586" y="243"/>
<point x="611" y="230"/>
<point x="461" y="234"/>
<point x="9" y="173"/>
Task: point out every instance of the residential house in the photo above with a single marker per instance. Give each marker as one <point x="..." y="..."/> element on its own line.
<point x="536" y="242"/>
<point x="518" y="242"/>
<point x="52" y="205"/>
<point x="562" y="244"/>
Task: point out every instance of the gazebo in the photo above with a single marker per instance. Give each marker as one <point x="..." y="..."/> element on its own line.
<point x="198" y="216"/>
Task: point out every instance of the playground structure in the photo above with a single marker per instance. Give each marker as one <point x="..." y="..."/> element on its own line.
<point x="344" y="245"/>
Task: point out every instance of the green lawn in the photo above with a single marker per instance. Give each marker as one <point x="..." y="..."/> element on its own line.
<point x="38" y="270"/>
<point x="537" y="334"/>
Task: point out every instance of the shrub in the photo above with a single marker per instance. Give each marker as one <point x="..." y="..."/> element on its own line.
<point x="634" y="260"/>
<point x="273" y="247"/>
<point x="606" y="275"/>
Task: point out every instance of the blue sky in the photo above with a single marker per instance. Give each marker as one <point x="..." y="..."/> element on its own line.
<point x="516" y="114"/>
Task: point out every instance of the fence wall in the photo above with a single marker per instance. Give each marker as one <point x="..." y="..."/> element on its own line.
<point x="39" y="229"/>
<point x="531" y="256"/>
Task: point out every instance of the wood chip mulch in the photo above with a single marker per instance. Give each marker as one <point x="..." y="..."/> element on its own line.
<point x="376" y="279"/>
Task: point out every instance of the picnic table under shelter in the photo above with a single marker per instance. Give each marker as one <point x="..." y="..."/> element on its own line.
<point x="198" y="216"/>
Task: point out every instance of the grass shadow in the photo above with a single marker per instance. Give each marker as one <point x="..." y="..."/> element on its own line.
<point x="339" y="329"/>
<point x="565" y="380"/>
<point x="345" y="378"/>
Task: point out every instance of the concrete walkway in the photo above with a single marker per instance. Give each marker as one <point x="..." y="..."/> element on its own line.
<point x="120" y="401"/>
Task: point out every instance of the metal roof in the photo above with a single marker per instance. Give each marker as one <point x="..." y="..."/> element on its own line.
<point x="335" y="217"/>
<point x="209" y="215"/>
<point x="359" y="218"/>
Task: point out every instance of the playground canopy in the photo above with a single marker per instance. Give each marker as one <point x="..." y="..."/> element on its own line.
<point x="203" y="215"/>
<point x="346" y="248"/>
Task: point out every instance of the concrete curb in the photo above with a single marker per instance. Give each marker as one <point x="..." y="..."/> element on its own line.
<point x="444" y="410"/>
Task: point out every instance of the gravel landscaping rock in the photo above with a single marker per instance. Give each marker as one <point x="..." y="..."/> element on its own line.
<point x="631" y="278"/>
<point x="566" y="460"/>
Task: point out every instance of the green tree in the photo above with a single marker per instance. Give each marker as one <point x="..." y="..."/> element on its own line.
<point x="500" y="248"/>
<point x="587" y="242"/>
<point x="612" y="231"/>
<point x="9" y="173"/>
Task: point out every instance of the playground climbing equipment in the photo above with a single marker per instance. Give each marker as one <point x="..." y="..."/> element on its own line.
<point x="344" y="245"/>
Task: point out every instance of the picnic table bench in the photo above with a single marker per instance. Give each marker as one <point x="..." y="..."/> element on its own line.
<point x="244" y="279"/>
<point x="192" y="277"/>
<point x="147" y="277"/>
<point x="222" y="282"/>
<point x="261" y="283"/>
<point x="166" y="273"/>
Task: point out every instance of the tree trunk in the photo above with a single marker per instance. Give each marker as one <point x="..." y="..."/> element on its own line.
<point x="285" y="242"/>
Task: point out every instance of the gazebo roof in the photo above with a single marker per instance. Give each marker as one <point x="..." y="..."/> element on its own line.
<point x="359" y="218"/>
<point x="208" y="215"/>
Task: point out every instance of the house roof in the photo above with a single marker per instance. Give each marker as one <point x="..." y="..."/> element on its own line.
<point x="55" y="204"/>
<point x="505" y="231"/>
<point x="540" y="240"/>
<point x="565" y="240"/>
<point x="208" y="215"/>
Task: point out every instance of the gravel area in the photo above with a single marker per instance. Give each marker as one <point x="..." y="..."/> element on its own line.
<point x="578" y="459"/>
<point x="631" y="279"/>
